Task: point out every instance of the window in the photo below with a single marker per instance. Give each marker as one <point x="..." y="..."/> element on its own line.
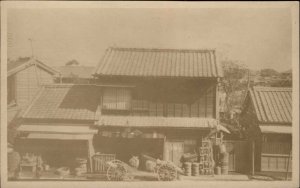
<point x="116" y="99"/>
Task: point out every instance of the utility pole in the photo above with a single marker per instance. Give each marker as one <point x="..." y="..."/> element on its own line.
<point x="30" y="39"/>
<point x="248" y="84"/>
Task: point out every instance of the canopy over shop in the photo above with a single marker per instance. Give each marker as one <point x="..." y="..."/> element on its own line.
<point x="58" y="145"/>
<point x="167" y="138"/>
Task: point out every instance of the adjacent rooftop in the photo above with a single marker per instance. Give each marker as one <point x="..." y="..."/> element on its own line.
<point x="272" y="104"/>
<point x="65" y="102"/>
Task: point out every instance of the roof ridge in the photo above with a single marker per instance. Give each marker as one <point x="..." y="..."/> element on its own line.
<point x="164" y="49"/>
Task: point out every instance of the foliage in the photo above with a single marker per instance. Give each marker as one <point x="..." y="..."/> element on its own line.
<point x="72" y="62"/>
<point x="231" y="84"/>
<point x="268" y="72"/>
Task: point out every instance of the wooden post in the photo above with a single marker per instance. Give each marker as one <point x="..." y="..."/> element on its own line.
<point x="288" y="165"/>
<point x="91" y="152"/>
<point x="217" y="113"/>
<point x="164" y="149"/>
<point x="253" y="157"/>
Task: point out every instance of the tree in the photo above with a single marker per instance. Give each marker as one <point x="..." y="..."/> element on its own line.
<point x="268" y="72"/>
<point x="72" y="62"/>
<point x="232" y="87"/>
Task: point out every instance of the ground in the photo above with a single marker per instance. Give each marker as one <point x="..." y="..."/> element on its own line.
<point x="269" y="176"/>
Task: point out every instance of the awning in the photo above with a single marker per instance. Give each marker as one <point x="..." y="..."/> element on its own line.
<point x="60" y="136"/>
<point x="276" y="129"/>
<point x="160" y="122"/>
<point x="58" y="132"/>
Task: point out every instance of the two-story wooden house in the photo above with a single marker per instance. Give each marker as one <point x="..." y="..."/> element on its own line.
<point x="156" y="101"/>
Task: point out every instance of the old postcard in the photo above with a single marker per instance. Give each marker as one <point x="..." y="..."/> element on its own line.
<point x="127" y="94"/>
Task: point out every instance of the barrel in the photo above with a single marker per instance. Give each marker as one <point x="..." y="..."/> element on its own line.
<point x="195" y="169"/>
<point x="187" y="168"/>
<point x="218" y="170"/>
<point x="224" y="170"/>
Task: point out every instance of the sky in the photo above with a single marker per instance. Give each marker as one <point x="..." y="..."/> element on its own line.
<point x="255" y="37"/>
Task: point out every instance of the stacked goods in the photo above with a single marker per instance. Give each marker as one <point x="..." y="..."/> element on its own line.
<point x="195" y="169"/>
<point x="187" y="168"/>
<point x="81" y="166"/>
<point x="206" y="158"/>
<point x="134" y="161"/>
<point x="218" y="170"/>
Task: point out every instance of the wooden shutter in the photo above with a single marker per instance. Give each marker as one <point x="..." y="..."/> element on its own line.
<point x="116" y="99"/>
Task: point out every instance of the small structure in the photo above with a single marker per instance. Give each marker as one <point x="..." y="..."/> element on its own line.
<point x="58" y="124"/>
<point x="267" y="118"/>
<point x="74" y="74"/>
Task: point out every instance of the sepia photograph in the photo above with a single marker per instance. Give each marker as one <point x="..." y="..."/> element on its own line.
<point x="145" y="93"/>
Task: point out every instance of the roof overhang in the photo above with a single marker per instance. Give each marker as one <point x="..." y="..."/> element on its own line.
<point x="160" y="122"/>
<point x="276" y="129"/>
<point x="58" y="132"/>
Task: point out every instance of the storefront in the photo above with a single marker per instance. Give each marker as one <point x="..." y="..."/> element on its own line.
<point x="54" y="147"/>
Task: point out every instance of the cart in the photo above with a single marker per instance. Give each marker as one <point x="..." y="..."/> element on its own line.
<point x="166" y="171"/>
<point x="107" y="165"/>
<point x="116" y="170"/>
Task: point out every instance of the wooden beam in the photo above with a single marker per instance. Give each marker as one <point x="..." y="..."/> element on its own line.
<point x="91" y="153"/>
<point x="288" y="166"/>
<point x="164" y="149"/>
<point x="253" y="158"/>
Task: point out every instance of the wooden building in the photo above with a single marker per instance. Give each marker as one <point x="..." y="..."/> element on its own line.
<point x="25" y="76"/>
<point x="59" y="123"/>
<point x="267" y="118"/>
<point x="167" y="96"/>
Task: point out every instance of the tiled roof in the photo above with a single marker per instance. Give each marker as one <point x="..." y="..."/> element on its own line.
<point x="162" y="122"/>
<point x="159" y="63"/>
<point x="78" y="71"/>
<point x="22" y="63"/>
<point x="272" y="104"/>
<point x="71" y="102"/>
